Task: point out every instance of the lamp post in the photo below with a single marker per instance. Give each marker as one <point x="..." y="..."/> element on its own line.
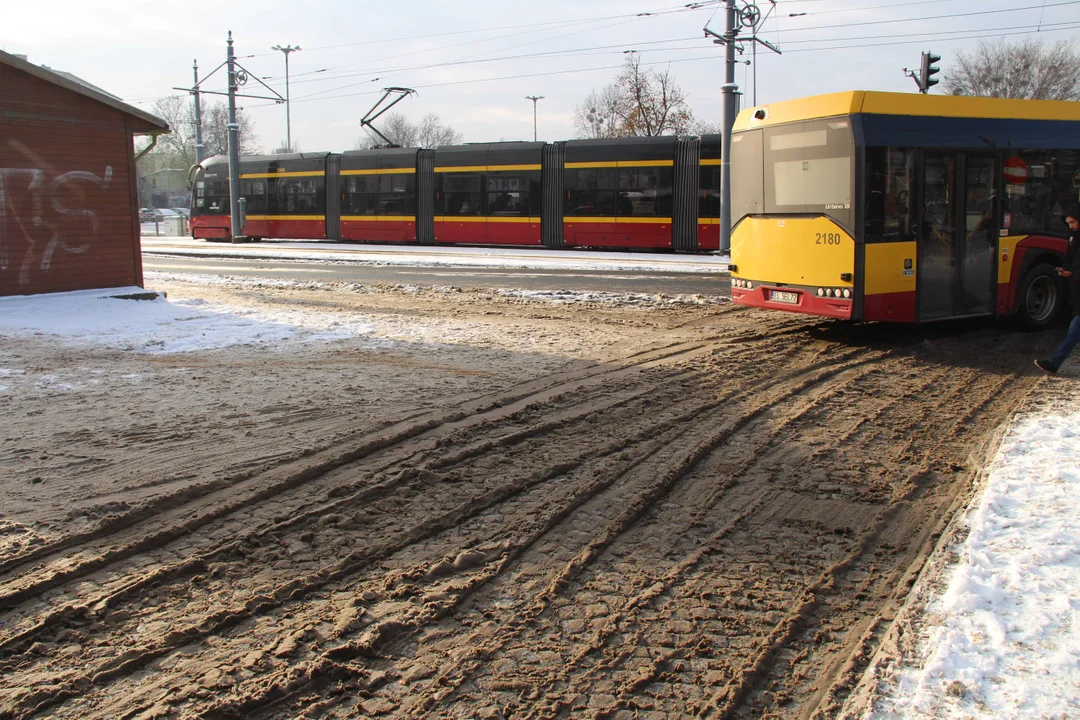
<point x="288" y="120"/>
<point x="534" y="98"/>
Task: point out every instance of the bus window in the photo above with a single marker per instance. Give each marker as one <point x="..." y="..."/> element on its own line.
<point x="809" y="169"/>
<point x="890" y="174"/>
<point x="747" y="195"/>
<point x="1047" y="191"/>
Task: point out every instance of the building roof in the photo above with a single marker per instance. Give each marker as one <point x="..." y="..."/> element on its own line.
<point x="70" y="82"/>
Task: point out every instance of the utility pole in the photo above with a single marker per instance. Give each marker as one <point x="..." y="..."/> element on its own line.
<point x="727" y="121"/>
<point x="750" y="17"/>
<point x="235" y="202"/>
<point x="534" y="98"/>
<point x="288" y="120"/>
<point x="200" y="149"/>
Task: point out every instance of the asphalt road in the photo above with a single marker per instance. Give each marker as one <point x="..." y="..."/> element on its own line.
<point x="646" y="280"/>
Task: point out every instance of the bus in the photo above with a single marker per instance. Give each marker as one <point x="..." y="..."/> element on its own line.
<point x="876" y="206"/>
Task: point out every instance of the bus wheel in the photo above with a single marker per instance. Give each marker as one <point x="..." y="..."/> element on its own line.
<point x="1040" y="297"/>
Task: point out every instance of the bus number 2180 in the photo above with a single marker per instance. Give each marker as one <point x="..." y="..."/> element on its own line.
<point x="827" y="239"/>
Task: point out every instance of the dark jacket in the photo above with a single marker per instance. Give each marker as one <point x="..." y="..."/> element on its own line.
<point x="1072" y="262"/>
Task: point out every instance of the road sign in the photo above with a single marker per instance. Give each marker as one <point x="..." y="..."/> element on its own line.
<point x="1016" y="171"/>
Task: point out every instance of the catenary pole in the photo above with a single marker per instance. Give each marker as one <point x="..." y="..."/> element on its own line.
<point x="727" y="121"/>
<point x="234" y="150"/>
<point x="534" y="98"/>
<point x="200" y="149"/>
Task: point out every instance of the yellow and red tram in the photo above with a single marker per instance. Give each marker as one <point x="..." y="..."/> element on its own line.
<point x="657" y="193"/>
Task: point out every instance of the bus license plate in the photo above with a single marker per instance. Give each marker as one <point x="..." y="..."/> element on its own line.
<point x="784" y="297"/>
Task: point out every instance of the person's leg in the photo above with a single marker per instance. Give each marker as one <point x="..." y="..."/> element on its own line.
<point x="1066" y="347"/>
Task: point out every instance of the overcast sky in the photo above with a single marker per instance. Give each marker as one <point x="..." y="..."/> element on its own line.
<point x="473" y="62"/>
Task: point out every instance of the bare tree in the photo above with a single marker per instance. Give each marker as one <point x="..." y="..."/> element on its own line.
<point x="177" y="149"/>
<point x="704" y="127"/>
<point x="598" y="116"/>
<point x="428" y="133"/>
<point x="639" y="103"/>
<point x="1026" y="69"/>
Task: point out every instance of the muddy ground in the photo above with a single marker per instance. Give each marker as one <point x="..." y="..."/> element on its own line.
<point x="503" y="508"/>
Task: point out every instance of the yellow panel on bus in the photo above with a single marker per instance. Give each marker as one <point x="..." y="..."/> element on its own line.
<point x="793" y="251"/>
<point x="890" y="268"/>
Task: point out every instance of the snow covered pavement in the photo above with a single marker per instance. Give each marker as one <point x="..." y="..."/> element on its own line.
<point x="1000" y="637"/>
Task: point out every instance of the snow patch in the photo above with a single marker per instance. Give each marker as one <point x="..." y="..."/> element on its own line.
<point x="161" y="326"/>
<point x="1008" y="640"/>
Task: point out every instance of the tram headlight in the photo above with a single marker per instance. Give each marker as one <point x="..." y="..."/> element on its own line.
<point x="821" y="292"/>
<point x="847" y="293"/>
<point x="749" y="285"/>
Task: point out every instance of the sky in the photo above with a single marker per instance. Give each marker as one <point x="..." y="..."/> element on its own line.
<point x="473" y="62"/>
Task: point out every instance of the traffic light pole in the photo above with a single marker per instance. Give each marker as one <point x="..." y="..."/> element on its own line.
<point x="927" y="70"/>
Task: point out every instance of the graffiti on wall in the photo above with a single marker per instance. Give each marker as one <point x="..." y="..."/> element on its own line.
<point x="43" y="211"/>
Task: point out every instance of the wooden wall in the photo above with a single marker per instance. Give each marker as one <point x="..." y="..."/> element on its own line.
<point x="68" y="190"/>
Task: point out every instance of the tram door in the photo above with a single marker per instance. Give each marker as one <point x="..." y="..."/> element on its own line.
<point x="958" y="235"/>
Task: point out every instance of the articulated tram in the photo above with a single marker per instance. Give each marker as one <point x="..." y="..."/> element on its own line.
<point x="659" y="193"/>
<point x="903" y="207"/>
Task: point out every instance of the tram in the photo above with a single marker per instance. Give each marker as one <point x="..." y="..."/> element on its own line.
<point x="903" y="207"/>
<point x="657" y="193"/>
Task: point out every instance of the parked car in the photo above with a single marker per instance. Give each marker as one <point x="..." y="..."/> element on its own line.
<point x="146" y="215"/>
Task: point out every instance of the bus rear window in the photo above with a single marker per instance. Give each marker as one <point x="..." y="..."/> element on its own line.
<point x="809" y="169"/>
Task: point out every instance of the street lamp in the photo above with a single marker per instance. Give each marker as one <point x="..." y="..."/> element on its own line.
<point x="288" y="121"/>
<point x="534" y="98"/>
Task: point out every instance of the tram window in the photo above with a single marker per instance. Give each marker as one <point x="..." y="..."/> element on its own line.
<point x="217" y="197"/>
<point x="709" y="193"/>
<point x="254" y="191"/>
<point x="397" y="194"/>
<point x="508" y="203"/>
<point x="890" y="186"/>
<point x="645" y="192"/>
<point x="1049" y="189"/>
<point x="297" y="195"/>
<point x="590" y="203"/>
<point x="507" y="195"/>
<point x="461" y="194"/>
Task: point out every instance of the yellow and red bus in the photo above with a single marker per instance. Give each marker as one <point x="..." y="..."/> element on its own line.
<point x="903" y="207"/>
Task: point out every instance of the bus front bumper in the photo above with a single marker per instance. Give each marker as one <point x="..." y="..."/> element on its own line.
<point x="791" y="299"/>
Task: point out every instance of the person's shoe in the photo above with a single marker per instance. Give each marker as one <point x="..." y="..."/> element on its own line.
<point x="1046" y="366"/>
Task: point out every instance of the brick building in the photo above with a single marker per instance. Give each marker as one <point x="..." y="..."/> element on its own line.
<point x="69" y="214"/>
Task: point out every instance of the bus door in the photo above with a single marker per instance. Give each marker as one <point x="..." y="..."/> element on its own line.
<point x="958" y="235"/>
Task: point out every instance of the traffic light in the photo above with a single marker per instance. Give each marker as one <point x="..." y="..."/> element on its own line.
<point x="926" y="79"/>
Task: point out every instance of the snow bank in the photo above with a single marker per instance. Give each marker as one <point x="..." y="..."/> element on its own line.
<point x="1003" y="639"/>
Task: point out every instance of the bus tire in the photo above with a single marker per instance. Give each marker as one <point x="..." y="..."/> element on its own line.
<point x="1040" y="298"/>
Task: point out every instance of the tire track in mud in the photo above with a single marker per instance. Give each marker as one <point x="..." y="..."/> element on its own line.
<point x="270" y="481"/>
<point x="137" y="585"/>
<point x="465" y="546"/>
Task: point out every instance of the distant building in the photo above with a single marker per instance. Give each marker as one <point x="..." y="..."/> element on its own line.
<point x="69" y="212"/>
<point x="164" y="189"/>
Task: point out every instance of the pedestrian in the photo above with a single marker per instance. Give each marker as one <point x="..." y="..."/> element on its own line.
<point x="1071" y="271"/>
